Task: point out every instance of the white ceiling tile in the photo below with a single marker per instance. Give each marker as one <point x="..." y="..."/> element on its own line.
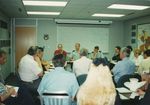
<point x="78" y="9"/>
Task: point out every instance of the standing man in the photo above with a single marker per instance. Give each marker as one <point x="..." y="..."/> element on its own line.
<point x="59" y="79"/>
<point x="125" y="66"/>
<point x="30" y="69"/>
<point x="76" y="53"/>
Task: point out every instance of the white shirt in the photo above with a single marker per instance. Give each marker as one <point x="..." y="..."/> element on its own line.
<point x="29" y="69"/>
<point x="138" y="60"/>
<point x="82" y="65"/>
<point x="144" y="66"/>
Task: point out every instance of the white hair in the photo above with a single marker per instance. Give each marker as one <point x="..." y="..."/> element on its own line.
<point x="98" y="89"/>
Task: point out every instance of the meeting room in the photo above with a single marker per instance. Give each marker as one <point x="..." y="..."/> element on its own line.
<point x="74" y="52"/>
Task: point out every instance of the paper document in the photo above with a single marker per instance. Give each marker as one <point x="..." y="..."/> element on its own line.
<point x="123" y="90"/>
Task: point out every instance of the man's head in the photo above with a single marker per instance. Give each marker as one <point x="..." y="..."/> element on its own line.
<point x="77" y="46"/>
<point x="33" y="50"/>
<point x="125" y="52"/>
<point x="96" y="49"/>
<point x="98" y="61"/>
<point x="130" y="47"/>
<point x="83" y="52"/>
<point x="60" y="46"/>
<point x="3" y="57"/>
<point x="58" y="60"/>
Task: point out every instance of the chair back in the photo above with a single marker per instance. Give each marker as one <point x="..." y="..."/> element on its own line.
<point x="55" y="98"/>
<point x="81" y="79"/>
<point x="125" y="78"/>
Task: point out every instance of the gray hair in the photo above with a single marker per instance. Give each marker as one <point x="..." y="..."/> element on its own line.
<point x="84" y="52"/>
<point x="126" y="51"/>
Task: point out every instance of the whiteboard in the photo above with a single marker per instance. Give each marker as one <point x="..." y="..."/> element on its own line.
<point x="87" y="36"/>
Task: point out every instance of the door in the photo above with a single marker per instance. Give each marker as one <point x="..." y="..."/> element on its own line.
<point x="25" y="37"/>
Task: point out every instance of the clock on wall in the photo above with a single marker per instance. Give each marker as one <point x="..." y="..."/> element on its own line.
<point x="46" y="37"/>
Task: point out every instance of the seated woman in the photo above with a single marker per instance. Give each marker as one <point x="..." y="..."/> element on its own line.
<point x="45" y="64"/>
<point x="98" y="88"/>
<point x="138" y="58"/>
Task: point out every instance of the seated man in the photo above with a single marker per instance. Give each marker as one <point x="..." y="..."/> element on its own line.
<point x="82" y="65"/>
<point x="30" y="69"/>
<point x="59" y="79"/>
<point x="22" y="97"/>
<point x="60" y="51"/>
<point x="116" y="56"/>
<point x="126" y="66"/>
<point x="96" y="53"/>
<point x="76" y="53"/>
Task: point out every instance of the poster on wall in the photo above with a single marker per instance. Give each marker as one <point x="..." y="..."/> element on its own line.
<point x="144" y="36"/>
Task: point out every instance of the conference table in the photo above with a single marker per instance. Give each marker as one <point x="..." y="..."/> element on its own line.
<point x="51" y="67"/>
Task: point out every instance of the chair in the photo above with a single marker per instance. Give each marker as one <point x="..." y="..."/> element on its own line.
<point x="126" y="78"/>
<point x="55" y="98"/>
<point x="81" y="79"/>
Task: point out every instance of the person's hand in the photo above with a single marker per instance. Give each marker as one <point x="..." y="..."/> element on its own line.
<point x="140" y="92"/>
<point x="47" y="67"/>
<point x="12" y="91"/>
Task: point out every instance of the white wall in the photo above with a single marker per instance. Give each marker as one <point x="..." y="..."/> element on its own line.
<point x="116" y="37"/>
<point x="87" y="35"/>
<point x="47" y="26"/>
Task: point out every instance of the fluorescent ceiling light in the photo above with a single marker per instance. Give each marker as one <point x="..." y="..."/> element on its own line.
<point x="42" y="13"/>
<point x="129" y="7"/>
<point x="45" y="3"/>
<point x="107" y="15"/>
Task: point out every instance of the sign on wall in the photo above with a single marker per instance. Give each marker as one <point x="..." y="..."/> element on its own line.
<point x="144" y="36"/>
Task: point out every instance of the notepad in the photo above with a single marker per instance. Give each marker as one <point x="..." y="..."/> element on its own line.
<point x="123" y="90"/>
<point x="16" y="89"/>
<point x="123" y="97"/>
